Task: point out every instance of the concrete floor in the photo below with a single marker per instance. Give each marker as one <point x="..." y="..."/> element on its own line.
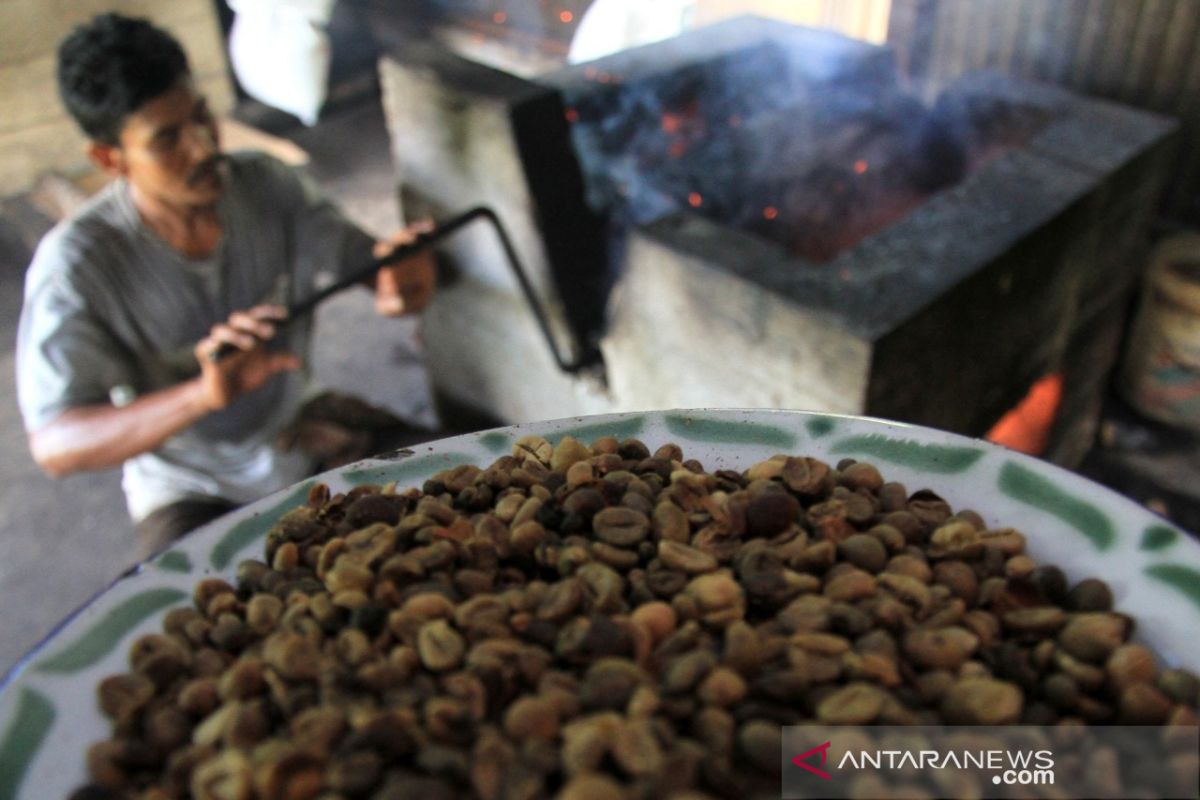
<point x="62" y="541"/>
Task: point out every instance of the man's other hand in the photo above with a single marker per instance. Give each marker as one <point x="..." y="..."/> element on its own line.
<point x="407" y="286"/>
<point x="225" y="379"/>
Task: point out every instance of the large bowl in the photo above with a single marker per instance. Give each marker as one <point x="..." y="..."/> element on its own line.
<point x="48" y="711"/>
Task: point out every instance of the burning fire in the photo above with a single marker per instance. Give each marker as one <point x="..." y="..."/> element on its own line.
<point x="593" y="74"/>
<point x="566" y="16"/>
<point x="860" y="167"/>
<point x="770" y="212"/>
<point x="694" y="199"/>
<point x="683" y="126"/>
<point x="1026" y="428"/>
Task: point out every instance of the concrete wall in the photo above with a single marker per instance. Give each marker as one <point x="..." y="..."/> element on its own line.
<point x="36" y="135"/>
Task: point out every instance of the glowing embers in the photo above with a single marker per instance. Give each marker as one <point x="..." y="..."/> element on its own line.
<point x="1026" y="428"/>
<point x="816" y="129"/>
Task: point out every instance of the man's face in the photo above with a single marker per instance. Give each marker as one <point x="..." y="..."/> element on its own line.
<point x="169" y="150"/>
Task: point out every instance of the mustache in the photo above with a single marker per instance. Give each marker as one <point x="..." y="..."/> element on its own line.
<point x="210" y="167"/>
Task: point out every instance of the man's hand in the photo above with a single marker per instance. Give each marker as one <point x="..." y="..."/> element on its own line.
<point x="248" y="369"/>
<point x="406" y="286"/>
<point x="104" y="435"/>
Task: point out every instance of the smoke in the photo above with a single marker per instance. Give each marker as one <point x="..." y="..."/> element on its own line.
<point x="809" y="140"/>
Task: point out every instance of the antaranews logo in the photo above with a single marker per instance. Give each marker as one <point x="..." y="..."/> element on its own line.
<point x="802" y="760"/>
<point x="830" y="762"/>
<point x="839" y="763"/>
<point x="1010" y="766"/>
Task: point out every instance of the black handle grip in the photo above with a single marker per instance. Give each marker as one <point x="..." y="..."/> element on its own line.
<point x="423" y="240"/>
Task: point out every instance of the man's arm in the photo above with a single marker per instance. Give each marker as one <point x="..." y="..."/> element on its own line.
<point x="104" y="435"/>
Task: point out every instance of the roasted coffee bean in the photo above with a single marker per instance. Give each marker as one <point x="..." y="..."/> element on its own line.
<point x="620" y="526"/>
<point x="584" y="503"/>
<point x="685" y="559"/>
<point x="531" y="718"/>
<point x="1061" y="691"/>
<point x="1093" y="636"/>
<point x="685" y="672"/>
<point x="123" y="696"/>
<point x="855" y="704"/>
<point x="912" y="591"/>
<point x="634" y="450"/>
<point x="658" y="618"/>
<point x="770" y="513"/>
<point x="956" y="539"/>
<point x="940" y="648"/>
<point x="1090" y="594"/>
<point x="1142" y="704"/>
<point x="159" y="658"/>
<point x="562" y="601"/>
<point x="567" y="453"/>
<point x="722" y="687"/>
<point x="982" y="701"/>
<point x="592" y="786"/>
<point x="1039" y="621"/>
<point x="863" y="551"/>
<point x="1181" y="686"/>
<point x="760" y="742"/>
<point x="440" y="647"/>
<point x="861" y="475"/>
<point x="670" y="523"/>
<point x="1052" y="583"/>
<point x="853" y="584"/>
<point x="666" y="583"/>
<point x="610" y="684"/>
<point x="718" y="597"/>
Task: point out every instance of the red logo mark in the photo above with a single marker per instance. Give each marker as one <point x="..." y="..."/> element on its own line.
<point x="799" y="760"/>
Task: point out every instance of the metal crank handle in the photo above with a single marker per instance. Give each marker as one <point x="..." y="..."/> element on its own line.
<point x="422" y="241"/>
<point x="308" y="305"/>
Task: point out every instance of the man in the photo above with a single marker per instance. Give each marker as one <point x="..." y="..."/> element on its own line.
<point x="186" y="250"/>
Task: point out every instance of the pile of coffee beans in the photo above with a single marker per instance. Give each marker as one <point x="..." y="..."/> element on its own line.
<point x="603" y="621"/>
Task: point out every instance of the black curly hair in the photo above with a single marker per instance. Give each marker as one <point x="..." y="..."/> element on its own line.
<point x="113" y="65"/>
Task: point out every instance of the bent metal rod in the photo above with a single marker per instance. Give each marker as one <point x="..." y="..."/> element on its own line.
<point x="423" y="240"/>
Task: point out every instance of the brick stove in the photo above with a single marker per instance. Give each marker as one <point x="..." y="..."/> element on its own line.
<point x="658" y="198"/>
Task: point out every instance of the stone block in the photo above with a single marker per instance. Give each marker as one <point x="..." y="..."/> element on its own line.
<point x="486" y="352"/>
<point x="686" y="331"/>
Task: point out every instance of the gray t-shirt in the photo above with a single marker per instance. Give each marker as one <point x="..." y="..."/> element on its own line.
<point x="112" y="312"/>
